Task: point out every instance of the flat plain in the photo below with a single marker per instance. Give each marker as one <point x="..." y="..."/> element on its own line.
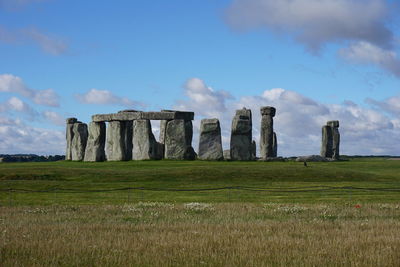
<point x="181" y="213"/>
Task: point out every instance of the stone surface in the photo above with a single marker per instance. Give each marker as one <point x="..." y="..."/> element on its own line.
<point x="210" y="144"/>
<point x="269" y="111"/>
<point x="335" y="142"/>
<point x="163" y="127"/>
<point x="333" y="124"/>
<point x="145" y="145"/>
<point x="267" y="132"/>
<point x="227" y="154"/>
<point x="79" y="141"/>
<point x="178" y="140"/>
<point x="96" y="142"/>
<point x="327" y="141"/>
<point x="69" y="135"/>
<point x="241" y="136"/>
<point x="139" y="115"/>
<point x="128" y="132"/>
<point x="275" y="146"/>
<point x="254" y="149"/>
<point x="115" y="141"/>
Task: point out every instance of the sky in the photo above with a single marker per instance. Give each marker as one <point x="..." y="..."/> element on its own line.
<point x="314" y="60"/>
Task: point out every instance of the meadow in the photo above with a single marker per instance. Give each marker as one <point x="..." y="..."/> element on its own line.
<point x="148" y="213"/>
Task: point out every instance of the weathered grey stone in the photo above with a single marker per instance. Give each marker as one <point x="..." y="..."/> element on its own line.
<point x="254" y="149"/>
<point x="267" y="132"/>
<point x="79" y="141"/>
<point x="330" y="140"/>
<point x="269" y="111"/>
<point x="227" y="154"/>
<point x="210" y="144"/>
<point x="241" y="136"/>
<point x="96" y="142"/>
<point x="71" y="120"/>
<point x="69" y="135"/>
<point x="116" y="141"/>
<point x="275" y="146"/>
<point x="178" y="140"/>
<point x="145" y="145"/>
<point x="129" y="115"/>
<point x="327" y="142"/>
<point x="163" y="127"/>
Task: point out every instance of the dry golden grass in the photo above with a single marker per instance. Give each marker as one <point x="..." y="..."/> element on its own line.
<point x="198" y="234"/>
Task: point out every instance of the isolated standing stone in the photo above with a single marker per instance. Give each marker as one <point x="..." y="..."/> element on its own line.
<point x="116" y="141"/>
<point x="210" y="144"/>
<point x="330" y="140"/>
<point x="267" y="132"/>
<point x="145" y="145"/>
<point x="241" y="135"/>
<point x="96" y="142"/>
<point x="178" y="140"/>
<point x="69" y="136"/>
<point x="79" y="140"/>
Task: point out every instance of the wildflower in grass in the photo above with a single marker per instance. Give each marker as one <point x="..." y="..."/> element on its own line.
<point x="196" y="206"/>
<point x="357" y="206"/>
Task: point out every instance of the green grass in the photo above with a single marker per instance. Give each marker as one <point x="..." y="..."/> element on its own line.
<point x="360" y="172"/>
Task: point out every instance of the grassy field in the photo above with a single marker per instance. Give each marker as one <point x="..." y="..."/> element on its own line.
<point x="326" y="214"/>
<point x="287" y="182"/>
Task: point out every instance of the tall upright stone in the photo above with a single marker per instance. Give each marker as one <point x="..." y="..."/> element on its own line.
<point x="96" y="142"/>
<point x="241" y="136"/>
<point x="210" y="144"/>
<point x="79" y="141"/>
<point x="178" y="140"/>
<point x="267" y="132"/>
<point x="275" y="146"/>
<point x="145" y="145"/>
<point x="116" y="141"/>
<point x="330" y="140"/>
<point x="69" y="136"/>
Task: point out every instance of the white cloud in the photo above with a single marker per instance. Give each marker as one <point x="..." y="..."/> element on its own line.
<point x="105" y="97"/>
<point x="299" y="120"/>
<point x="315" y="22"/>
<point x="14" y="84"/>
<point x="17" y="137"/>
<point x="54" y="117"/>
<point x="391" y="104"/>
<point x="367" y="53"/>
<point x="15" y="104"/>
<point x="48" y="43"/>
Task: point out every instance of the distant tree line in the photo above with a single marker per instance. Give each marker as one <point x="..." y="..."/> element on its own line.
<point x="29" y="158"/>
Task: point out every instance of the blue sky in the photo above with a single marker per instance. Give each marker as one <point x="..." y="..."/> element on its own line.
<point x="315" y="60"/>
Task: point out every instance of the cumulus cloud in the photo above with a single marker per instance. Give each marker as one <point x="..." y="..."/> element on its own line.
<point x="299" y="120"/>
<point x="315" y="22"/>
<point x="17" y="137"/>
<point x="390" y="105"/>
<point x="15" y="104"/>
<point x="48" y="43"/>
<point x="105" y="97"/>
<point x="14" y="84"/>
<point x="359" y="24"/>
<point x="367" y="53"/>
<point x="54" y="117"/>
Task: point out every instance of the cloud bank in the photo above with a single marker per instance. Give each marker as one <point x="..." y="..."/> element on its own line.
<point x="360" y="25"/>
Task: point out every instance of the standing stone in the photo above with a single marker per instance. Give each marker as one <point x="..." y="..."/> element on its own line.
<point x="267" y="132"/>
<point x="210" y="144"/>
<point x="327" y="141"/>
<point x="96" y="142"/>
<point x="116" y="141"/>
<point x="241" y="135"/>
<point x="330" y="140"/>
<point x="79" y="140"/>
<point x="145" y="145"/>
<point x="178" y="140"/>
<point x="254" y="149"/>
<point x="69" y="136"/>
<point x="335" y="138"/>
<point x="275" y="146"/>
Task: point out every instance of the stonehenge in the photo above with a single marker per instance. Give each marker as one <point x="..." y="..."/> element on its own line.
<point x="210" y="144"/>
<point x="127" y="135"/>
<point x="330" y="140"/>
